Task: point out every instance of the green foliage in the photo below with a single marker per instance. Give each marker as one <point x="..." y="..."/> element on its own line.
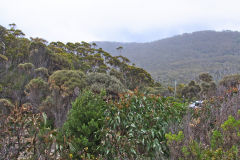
<point x="3" y="57"/>
<point x="70" y="57"/>
<point x="84" y="123"/>
<point x="59" y="62"/>
<point x="13" y="47"/>
<point x="174" y="137"/>
<point x="14" y="83"/>
<point x="26" y="66"/>
<point x="66" y="81"/>
<point x="129" y="126"/>
<point x="224" y="144"/>
<point x="101" y="81"/>
<point x="231" y="124"/>
<point x="64" y="87"/>
<point x="37" y="83"/>
<point x="216" y="139"/>
<point x="136" y="126"/>
<point x="48" y="58"/>
<point x="42" y="71"/>
<point x="137" y="77"/>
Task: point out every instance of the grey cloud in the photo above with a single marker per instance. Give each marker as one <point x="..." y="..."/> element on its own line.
<point x="118" y="20"/>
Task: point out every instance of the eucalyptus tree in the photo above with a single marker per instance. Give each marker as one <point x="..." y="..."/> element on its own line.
<point x="64" y="86"/>
<point x="120" y="48"/>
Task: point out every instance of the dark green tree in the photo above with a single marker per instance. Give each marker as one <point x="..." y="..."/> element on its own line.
<point x="101" y="81"/>
<point x="84" y="123"/>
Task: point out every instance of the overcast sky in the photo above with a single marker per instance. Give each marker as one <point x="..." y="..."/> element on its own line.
<point x="118" y="20"/>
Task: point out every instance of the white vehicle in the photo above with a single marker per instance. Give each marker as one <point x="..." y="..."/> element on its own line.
<point x="195" y="104"/>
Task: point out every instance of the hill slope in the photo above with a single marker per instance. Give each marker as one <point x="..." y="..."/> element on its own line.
<point x="183" y="57"/>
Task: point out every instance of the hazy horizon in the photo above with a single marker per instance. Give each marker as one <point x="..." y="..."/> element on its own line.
<point x="118" y="21"/>
<point x="112" y="41"/>
<point x="170" y="36"/>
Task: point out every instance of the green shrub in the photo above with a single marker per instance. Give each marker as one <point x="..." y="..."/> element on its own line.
<point x="224" y="143"/>
<point x="216" y="139"/>
<point x="84" y="123"/>
<point x="136" y="126"/>
<point x="42" y="71"/>
<point x="174" y="137"/>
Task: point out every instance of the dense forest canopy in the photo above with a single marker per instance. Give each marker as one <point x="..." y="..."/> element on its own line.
<point x="185" y="56"/>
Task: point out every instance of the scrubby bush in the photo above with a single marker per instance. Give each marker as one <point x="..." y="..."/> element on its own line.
<point x="84" y="123"/>
<point x="102" y="81"/>
<point x="224" y="143"/>
<point x="135" y="126"/>
<point x="209" y="132"/>
<point x="230" y="81"/>
<point x="26" y="135"/>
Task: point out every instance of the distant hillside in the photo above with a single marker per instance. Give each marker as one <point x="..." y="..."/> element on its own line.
<point x="183" y="57"/>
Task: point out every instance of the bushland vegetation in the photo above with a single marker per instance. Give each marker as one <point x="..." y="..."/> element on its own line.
<point x="76" y="101"/>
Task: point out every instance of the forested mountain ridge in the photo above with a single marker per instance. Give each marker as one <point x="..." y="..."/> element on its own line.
<point x="184" y="56"/>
